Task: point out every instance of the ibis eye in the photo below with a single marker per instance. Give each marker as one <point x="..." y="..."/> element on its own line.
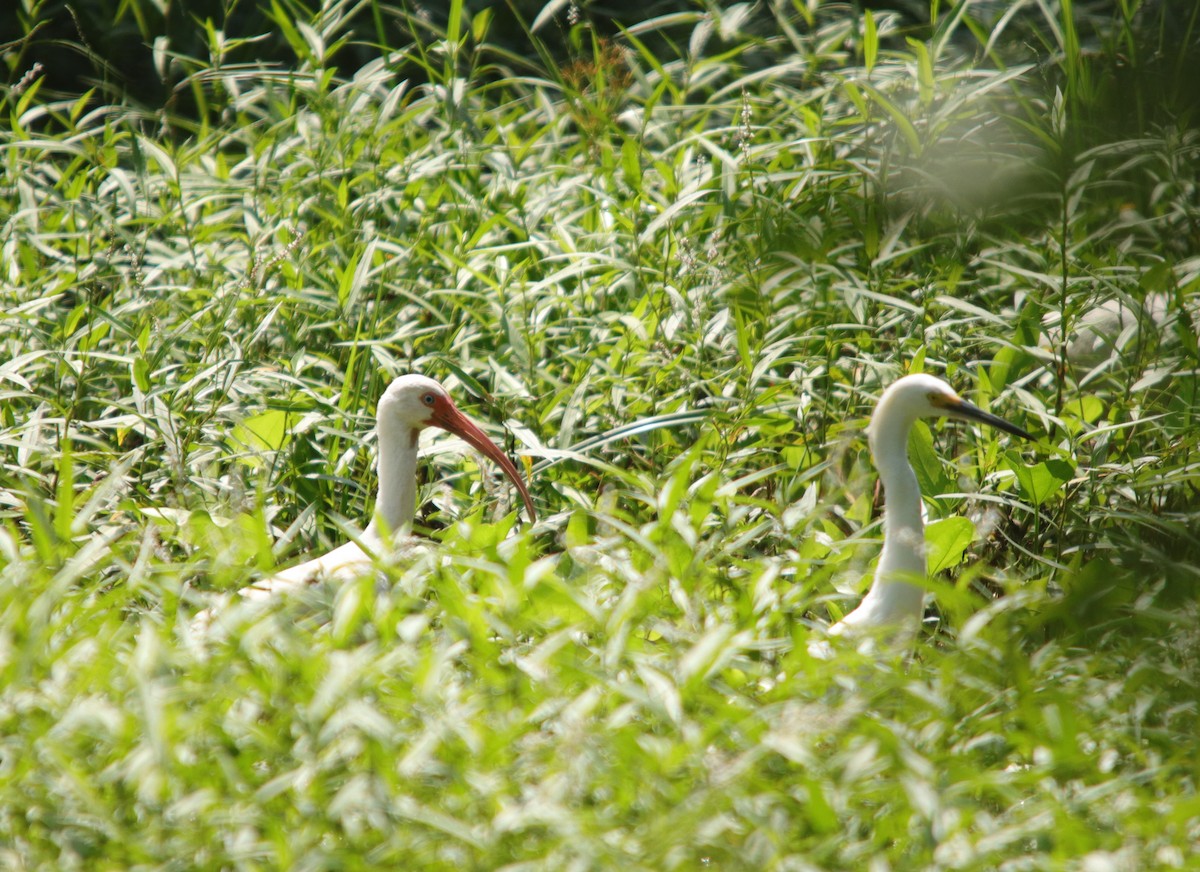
<point x="427" y="399"/>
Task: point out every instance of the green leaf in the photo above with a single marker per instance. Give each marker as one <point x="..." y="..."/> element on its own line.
<point x="469" y="381"/>
<point x="631" y="163"/>
<point x="64" y="510"/>
<point x="141" y="374"/>
<point x="946" y="541"/>
<point x="265" y="432"/>
<point x="899" y="116"/>
<point x="454" y="27"/>
<point x="931" y="473"/>
<point x="286" y="26"/>
<point x="855" y="96"/>
<point x="1087" y="408"/>
<point x="924" y="70"/>
<point x="870" y="40"/>
<point x="1041" y="481"/>
<point x="480" y="23"/>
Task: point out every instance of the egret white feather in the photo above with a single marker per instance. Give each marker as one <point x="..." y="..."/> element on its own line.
<point x="895" y="601"/>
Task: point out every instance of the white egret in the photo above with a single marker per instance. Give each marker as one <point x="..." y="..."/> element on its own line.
<point x="410" y="403"/>
<point x="894" y="600"/>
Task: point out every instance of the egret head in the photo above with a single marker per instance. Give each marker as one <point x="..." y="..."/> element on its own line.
<point x="925" y="396"/>
<point x="413" y="402"/>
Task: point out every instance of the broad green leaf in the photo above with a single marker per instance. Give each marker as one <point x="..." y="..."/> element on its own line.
<point x="480" y="22"/>
<point x="141" y="374"/>
<point x="267" y="431"/>
<point x="1087" y="408"/>
<point x="1042" y="480"/>
<point x="946" y="541"/>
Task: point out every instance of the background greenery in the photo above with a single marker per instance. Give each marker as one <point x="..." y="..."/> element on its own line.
<point x="672" y="259"/>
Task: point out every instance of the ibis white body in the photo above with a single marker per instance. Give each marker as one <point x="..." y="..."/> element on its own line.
<point x="1113" y="327"/>
<point x="410" y="404"/>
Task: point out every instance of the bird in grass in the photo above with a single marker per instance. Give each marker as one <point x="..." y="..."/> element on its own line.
<point x="410" y="404"/>
<point x="895" y="601"/>
<point x="1111" y="328"/>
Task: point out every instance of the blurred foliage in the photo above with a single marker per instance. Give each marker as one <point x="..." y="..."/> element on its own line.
<point x="671" y="267"/>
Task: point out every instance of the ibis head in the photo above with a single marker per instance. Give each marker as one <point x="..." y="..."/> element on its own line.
<point x="413" y="402"/>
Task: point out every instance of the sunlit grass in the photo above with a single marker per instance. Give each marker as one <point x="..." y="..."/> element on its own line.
<point x="674" y="280"/>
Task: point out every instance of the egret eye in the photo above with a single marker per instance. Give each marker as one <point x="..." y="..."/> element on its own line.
<point x="427" y="399"/>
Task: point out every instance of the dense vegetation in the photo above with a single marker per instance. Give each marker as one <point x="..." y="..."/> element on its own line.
<point x="673" y="268"/>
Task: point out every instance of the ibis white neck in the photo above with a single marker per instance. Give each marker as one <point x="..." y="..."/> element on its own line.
<point x="397" y="461"/>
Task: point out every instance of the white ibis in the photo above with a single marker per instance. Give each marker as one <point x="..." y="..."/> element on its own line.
<point x="410" y="403"/>
<point x="1109" y="329"/>
<point x="894" y="600"/>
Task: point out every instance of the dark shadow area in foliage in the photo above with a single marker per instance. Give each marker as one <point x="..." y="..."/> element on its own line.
<point x="109" y="44"/>
<point x="1140" y="70"/>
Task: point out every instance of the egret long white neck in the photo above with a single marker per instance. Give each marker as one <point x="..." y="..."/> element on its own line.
<point x="397" y="461"/>
<point x="901" y="515"/>
<point x="893" y="596"/>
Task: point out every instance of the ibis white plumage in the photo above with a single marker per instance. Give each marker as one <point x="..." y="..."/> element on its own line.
<point x="894" y="601"/>
<point x="410" y="404"/>
<point x="1109" y="329"/>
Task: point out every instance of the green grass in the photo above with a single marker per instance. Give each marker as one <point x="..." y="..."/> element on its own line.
<point x="681" y="271"/>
